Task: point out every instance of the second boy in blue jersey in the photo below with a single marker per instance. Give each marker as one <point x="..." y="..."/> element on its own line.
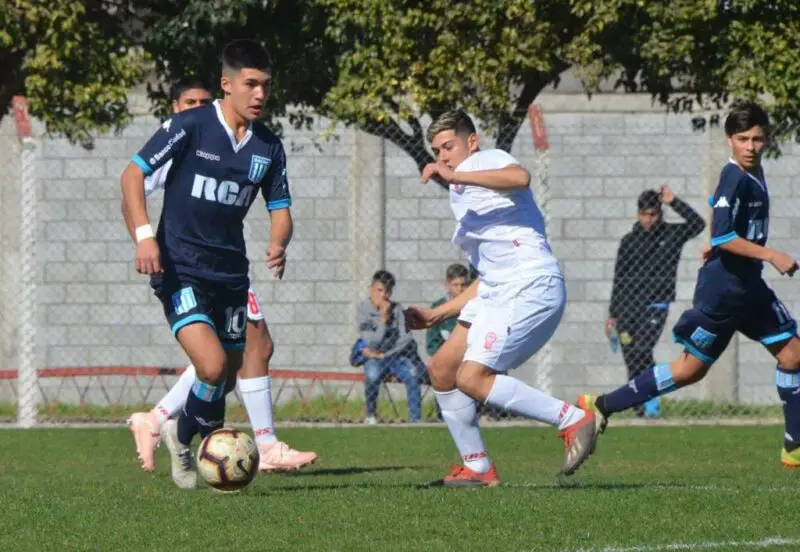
<point x="731" y="294"/>
<point x="221" y="160"/>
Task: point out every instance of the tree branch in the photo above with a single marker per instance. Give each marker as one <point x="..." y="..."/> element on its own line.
<point x="412" y="144"/>
<point x="510" y="123"/>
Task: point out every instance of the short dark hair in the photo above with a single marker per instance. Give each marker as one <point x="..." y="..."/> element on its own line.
<point x="649" y="199"/>
<point x="456" y="270"/>
<point x="187" y="83"/>
<point x="456" y="120"/>
<point x="384" y="277"/>
<point x="245" y="54"/>
<point x="745" y="115"/>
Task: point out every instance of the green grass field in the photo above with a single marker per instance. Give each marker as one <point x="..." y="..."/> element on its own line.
<point x="646" y="489"/>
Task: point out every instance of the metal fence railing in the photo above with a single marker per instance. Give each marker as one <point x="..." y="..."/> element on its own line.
<point x="84" y="339"/>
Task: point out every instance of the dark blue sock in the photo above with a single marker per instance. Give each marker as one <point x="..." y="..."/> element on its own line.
<point x="204" y="411"/>
<point x="789" y="391"/>
<point x="651" y="383"/>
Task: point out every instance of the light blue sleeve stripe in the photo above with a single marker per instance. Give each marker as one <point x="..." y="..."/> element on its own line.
<point x="719" y="240"/>
<point x="770" y="339"/>
<point x="279" y="204"/>
<point x="146" y="169"/>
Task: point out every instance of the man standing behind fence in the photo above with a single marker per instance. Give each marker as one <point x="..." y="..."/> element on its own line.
<point x="644" y="280"/>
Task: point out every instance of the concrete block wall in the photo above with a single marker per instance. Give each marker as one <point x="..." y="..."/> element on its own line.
<point x="358" y="206"/>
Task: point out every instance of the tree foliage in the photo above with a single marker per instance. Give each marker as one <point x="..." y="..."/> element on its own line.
<point x="185" y="38"/>
<point x="387" y="65"/>
<point x="404" y="59"/>
<point x="71" y="62"/>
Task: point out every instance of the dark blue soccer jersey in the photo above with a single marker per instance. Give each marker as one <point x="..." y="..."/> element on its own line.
<point x="209" y="189"/>
<point x="740" y="209"/>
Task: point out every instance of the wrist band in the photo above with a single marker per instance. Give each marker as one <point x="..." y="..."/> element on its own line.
<point x="144" y="232"/>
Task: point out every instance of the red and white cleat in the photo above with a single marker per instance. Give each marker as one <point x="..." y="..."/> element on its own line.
<point x="462" y="476"/>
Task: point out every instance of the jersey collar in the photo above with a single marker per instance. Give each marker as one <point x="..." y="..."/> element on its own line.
<point x="247" y="135"/>
<point x="761" y="182"/>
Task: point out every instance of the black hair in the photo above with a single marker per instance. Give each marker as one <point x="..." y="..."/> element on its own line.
<point x="456" y="270"/>
<point x="245" y="54"/>
<point x="187" y="83"/>
<point x="384" y="277"/>
<point x="649" y="199"/>
<point x="744" y="116"/>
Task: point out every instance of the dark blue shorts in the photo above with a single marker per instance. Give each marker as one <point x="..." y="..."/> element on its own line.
<point x="705" y="332"/>
<point x="189" y="300"/>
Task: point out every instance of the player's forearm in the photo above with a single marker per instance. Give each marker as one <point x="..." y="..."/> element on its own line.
<point x="744" y="248"/>
<point x="133" y="198"/>
<point x="507" y="178"/>
<point x="453" y="307"/>
<point x="281" y="227"/>
<point x="128" y="222"/>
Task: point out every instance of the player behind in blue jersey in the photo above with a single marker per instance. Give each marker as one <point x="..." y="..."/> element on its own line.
<point x="221" y="158"/>
<point x="730" y="294"/>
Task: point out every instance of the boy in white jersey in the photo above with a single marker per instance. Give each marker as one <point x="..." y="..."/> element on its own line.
<point x="507" y="314"/>
<point x="253" y="378"/>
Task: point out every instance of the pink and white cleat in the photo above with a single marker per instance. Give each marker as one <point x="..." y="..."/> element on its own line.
<point x="278" y="456"/>
<point x="145" y="429"/>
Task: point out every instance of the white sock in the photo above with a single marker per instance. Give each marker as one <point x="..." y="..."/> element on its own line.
<point x="460" y="412"/>
<point x="175" y="399"/>
<point x="520" y="398"/>
<point x="257" y="398"/>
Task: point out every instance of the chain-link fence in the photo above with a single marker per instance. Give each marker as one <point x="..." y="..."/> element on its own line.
<point x="86" y="331"/>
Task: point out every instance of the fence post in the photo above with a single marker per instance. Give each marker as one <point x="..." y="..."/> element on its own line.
<point x="27" y="385"/>
<point x="367" y="211"/>
<point x="544" y="358"/>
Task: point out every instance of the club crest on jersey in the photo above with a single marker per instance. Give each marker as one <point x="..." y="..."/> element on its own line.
<point x="258" y="168"/>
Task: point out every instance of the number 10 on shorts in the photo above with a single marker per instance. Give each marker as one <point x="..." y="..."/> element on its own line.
<point x="235" y="319"/>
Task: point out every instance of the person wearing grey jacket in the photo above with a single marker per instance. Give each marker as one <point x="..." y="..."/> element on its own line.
<point x="388" y="346"/>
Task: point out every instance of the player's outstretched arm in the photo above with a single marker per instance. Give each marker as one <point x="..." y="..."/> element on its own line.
<point x="281" y="229"/>
<point x="419" y="318"/>
<point x="511" y="177"/>
<point x="783" y="263"/>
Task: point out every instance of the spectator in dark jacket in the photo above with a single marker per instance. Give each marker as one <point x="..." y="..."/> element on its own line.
<point x="644" y="279"/>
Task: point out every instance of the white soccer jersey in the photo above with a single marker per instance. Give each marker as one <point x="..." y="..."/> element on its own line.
<point x="501" y="233"/>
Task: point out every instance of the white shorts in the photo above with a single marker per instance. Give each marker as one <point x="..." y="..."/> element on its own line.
<point x="254" y="312"/>
<point x="511" y="322"/>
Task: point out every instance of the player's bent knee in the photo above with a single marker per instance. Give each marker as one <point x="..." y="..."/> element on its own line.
<point x="689" y="369"/>
<point x="474" y="380"/>
<point x="787" y="354"/>
<point x="442" y="370"/>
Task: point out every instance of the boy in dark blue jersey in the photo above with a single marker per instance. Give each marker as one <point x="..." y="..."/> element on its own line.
<point x="221" y="159"/>
<point x="731" y="295"/>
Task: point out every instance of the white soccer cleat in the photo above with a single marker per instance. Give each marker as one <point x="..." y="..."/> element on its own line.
<point x="371" y="420"/>
<point x="279" y="456"/>
<point x="184" y="470"/>
<point x="145" y="429"/>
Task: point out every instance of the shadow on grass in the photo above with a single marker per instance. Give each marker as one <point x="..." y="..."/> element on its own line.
<point x="345" y="471"/>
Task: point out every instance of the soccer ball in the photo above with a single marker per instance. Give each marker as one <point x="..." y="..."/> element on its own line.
<point x="227" y="460"/>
